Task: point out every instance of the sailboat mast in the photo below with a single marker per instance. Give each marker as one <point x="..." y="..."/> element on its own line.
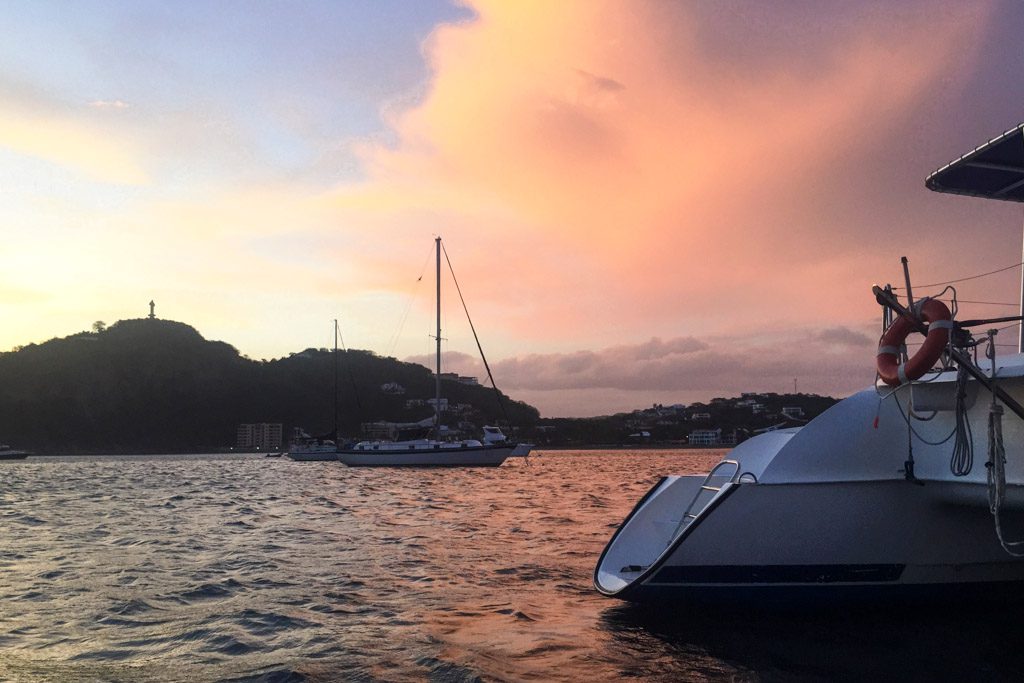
<point x="1020" y="333"/>
<point x="335" y="380"/>
<point x="437" y="375"/>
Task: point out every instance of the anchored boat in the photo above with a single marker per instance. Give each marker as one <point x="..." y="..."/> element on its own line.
<point x="913" y="488"/>
<point x="306" y="448"/>
<point x="437" y="451"/>
<point x="8" y="453"/>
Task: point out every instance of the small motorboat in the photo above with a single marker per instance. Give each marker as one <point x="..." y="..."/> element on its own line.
<point x="911" y="489"/>
<point x="8" y="453"/>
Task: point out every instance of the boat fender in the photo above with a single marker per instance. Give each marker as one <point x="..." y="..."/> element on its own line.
<point x="940" y="322"/>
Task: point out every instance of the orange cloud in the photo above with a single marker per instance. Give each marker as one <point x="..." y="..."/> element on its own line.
<point x="606" y="154"/>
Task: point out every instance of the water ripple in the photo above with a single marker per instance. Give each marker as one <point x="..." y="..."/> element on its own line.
<point x="245" y="569"/>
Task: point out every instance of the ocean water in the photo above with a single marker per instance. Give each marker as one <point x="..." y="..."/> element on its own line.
<point x="204" y="568"/>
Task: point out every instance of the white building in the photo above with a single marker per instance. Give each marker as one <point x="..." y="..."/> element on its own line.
<point x="705" y="437"/>
<point x="432" y="402"/>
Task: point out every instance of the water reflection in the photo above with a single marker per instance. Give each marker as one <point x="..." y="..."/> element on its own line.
<point x="826" y="645"/>
<point x="221" y="569"/>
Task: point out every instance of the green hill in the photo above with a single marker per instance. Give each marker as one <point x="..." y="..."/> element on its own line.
<point x="153" y="385"/>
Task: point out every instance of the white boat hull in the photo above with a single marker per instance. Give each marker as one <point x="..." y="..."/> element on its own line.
<point x="13" y="455"/>
<point x="827" y="512"/>
<point x="839" y="540"/>
<point x="468" y="456"/>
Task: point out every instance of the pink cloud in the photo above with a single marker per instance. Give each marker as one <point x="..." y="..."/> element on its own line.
<point x="834" y="361"/>
<point x="614" y="178"/>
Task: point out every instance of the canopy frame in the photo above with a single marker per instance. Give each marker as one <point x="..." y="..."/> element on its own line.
<point x="994" y="170"/>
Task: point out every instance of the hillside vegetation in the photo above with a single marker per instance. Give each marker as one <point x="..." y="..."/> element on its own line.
<point x="150" y="385"/>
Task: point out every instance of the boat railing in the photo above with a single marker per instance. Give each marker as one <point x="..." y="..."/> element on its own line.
<point x="705" y="494"/>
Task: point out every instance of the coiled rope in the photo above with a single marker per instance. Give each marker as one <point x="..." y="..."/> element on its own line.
<point x="996" y="464"/>
<point x="962" y="460"/>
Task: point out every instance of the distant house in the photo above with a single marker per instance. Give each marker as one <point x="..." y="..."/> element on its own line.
<point x="701" y="417"/>
<point x="705" y="437"/>
<point x="393" y="388"/>
<point x="793" y="411"/>
<point x="461" y="408"/>
<point x="461" y="379"/>
<point x="757" y="408"/>
<point x="433" y="402"/>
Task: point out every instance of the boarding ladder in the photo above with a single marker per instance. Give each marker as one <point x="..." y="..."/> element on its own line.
<point x="705" y="494"/>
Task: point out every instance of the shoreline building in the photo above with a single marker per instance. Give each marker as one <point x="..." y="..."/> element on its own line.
<point x="706" y="437"/>
<point x="259" y="436"/>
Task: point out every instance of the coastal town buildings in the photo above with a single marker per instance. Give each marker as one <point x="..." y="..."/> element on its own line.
<point x="259" y="436"/>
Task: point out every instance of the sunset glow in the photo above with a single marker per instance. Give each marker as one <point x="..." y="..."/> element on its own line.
<point x="643" y="201"/>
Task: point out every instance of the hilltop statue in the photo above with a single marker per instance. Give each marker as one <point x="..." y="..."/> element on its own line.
<point x="152" y="308"/>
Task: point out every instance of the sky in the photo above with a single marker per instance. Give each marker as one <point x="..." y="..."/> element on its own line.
<point x="643" y="202"/>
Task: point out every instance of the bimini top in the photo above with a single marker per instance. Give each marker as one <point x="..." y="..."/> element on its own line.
<point x="994" y="170"/>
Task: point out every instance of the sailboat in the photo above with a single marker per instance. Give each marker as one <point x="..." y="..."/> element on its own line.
<point x="489" y="451"/>
<point x="306" y="448"/>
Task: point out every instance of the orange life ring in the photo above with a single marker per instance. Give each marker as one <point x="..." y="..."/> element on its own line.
<point x="940" y="322"/>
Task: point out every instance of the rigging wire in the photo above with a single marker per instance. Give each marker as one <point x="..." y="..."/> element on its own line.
<point x="501" y="402"/>
<point x="906" y="418"/>
<point x="348" y="366"/>
<point x="972" y="277"/>
<point x="393" y="341"/>
<point x="988" y="303"/>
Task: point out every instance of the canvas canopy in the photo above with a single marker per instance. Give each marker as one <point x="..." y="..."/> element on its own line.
<point x="995" y="170"/>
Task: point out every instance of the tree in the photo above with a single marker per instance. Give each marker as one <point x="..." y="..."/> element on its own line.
<point x="99" y="326"/>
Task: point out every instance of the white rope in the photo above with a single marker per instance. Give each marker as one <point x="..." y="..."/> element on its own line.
<point x="996" y="464"/>
<point x="997" y="479"/>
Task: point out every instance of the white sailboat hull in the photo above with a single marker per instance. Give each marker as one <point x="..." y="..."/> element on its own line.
<point x="457" y="456"/>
